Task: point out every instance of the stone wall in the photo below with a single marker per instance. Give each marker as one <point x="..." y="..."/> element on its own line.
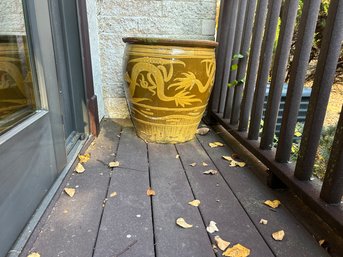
<point x="179" y="19"/>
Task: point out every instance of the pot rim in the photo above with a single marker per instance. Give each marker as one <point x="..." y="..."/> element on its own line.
<point x="170" y="42"/>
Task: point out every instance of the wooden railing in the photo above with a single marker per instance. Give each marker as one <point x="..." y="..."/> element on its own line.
<point x="245" y="56"/>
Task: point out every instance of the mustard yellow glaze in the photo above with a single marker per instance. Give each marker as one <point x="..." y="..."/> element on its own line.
<point x="168" y="88"/>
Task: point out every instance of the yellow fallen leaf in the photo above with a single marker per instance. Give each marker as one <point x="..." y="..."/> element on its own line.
<point x="274" y="204"/>
<point x="215" y="144"/>
<point x="237" y="250"/>
<point x="34" y="254"/>
<point x="70" y="191"/>
<point x="150" y="192"/>
<point x="195" y="203"/>
<point x="79" y="168"/>
<point x="210" y="172"/>
<point x="222" y="244"/>
<point x="204" y="164"/>
<point x="193" y="164"/>
<point x="182" y="223"/>
<point x="113" y="164"/>
<point x="321" y="242"/>
<point x="263" y="221"/>
<point x="212" y="227"/>
<point x="177" y="156"/>
<point x="84" y="158"/>
<point x="113" y="194"/>
<point x="278" y="235"/>
<point x="234" y="163"/>
<point x="202" y="131"/>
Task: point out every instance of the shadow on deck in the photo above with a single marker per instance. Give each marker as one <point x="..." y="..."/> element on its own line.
<point x="92" y="223"/>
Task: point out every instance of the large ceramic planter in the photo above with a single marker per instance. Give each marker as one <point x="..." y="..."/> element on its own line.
<point x="168" y="84"/>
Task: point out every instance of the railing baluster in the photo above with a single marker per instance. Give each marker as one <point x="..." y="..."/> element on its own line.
<point x="254" y="55"/>
<point x="324" y="76"/>
<point x="222" y="37"/>
<point x="278" y="74"/>
<point x="228" y="54"/>
<point x="299" y="66"/>
<point x="332" y="189"/>
<point x="242" y="65"/>
<point x="274" y="7"/>
<point x="236" y="50"/>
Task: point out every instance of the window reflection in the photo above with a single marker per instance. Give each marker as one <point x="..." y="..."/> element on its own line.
<point x="17" y="93"/>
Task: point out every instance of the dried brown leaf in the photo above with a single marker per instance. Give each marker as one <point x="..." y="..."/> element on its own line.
<point x="195" y="203"/>
<point x="234" y="163"/>
<point x="321" y="242"/>
<point x="210" y="172"/>
<point x="222" y="244"/>
<point x="34" y="254"/>
<point x="263" y="221"/>
<point x="70" y="191"/>
<point x="113" y="164"/>
<point x="202" y="131"/>
<point x="150" y="192"/>
<point x="237" y="250"/>
<point x="113" y="194"/>
<point x="193" y="164"/>
<point x="215" y="144"/>
<point x="204" y="164"/>
<point x="278" y="235"/>
<point x="84" y="158"/>
<point x="212" y="227"/>
<point x="273" y="204"/>
<point x="182" y="223"/>
<point x="79" y="168"/>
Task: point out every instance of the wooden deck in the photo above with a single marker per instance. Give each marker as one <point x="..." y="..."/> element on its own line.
<point x="132" y="224"/>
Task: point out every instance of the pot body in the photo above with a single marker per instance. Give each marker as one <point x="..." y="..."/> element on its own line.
<point x="168" y="88"/>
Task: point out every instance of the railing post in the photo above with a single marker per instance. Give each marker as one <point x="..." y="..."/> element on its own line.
<point x="274" y="7"/>
<point x="332" y="189"/>
<point x="298" y="68"/>
<point x="324" y="76"/>
<point x="278" y="74"/>
<point x="242" y="65"/>
<point x="236" y="50"/>
<point x="254" y="55"/>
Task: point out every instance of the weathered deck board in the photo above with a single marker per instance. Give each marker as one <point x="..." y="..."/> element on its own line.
<point x="172" y="195"/>
<point x="232" y="221"/>
<point x="72" y="227"/>
<point x="251" y="193"/>
<point x="127" y="220"/>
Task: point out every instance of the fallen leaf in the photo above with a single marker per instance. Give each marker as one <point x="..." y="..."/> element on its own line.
<point x="193" y="164"/>
<point x="70" y="191"/>
<point x="113" y="194"/>
<point x="234" y="163"/>
<point x="215" y="144"/>
<point x="263" y="221"/>
<point x="84" y="158"/>
<point x="195" y="203"/>
<point x="237" y="250"/>
<point x="113" y="164"/>
<point x="34" y="254"/>
<point x="321" y="242"/>
<point x="177" y="156"/>
<point x="212" y="227"/>
<point x="222" y="244"/>
<point x="215" y="248"/>
<point x="150" y="192"/>
<point x="182" y="223"/>
<point x="79" y="168"/>
<point x="210" y="172"/>
<point x="204" y="164"/>
<point x="202" y="131"/>
<point x="273" y="204"/>
<point x="278" y="235"/>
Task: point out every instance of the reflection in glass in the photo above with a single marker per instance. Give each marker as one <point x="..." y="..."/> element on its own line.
<point x="17" y="93"/>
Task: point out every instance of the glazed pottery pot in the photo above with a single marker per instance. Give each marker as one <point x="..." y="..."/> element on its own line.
<point x="168" y="84"/>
